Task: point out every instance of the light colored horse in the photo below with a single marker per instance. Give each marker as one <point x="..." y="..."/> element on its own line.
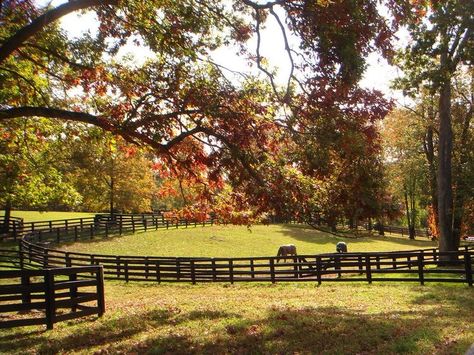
<point x="286" y="250"/>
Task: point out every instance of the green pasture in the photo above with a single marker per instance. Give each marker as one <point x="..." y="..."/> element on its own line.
<point x="239" y="241"/>
<point x="293" y="318"/>
<point x="34" y="216"/>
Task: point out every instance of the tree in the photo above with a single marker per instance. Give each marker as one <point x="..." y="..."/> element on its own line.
<point x="443" y="39"/>
<point x="29" y="173"/>
<point x="407" y="167"/>
<point x="110" y="174"/>
<point x="179" y="102"/>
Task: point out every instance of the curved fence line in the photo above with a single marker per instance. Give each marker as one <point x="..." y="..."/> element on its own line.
<point x="416" y="265"/>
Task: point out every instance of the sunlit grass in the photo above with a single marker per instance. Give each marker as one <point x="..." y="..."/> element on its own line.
<point x="264" y="319"/>
<point x="34" y="216"/>
<point x="239" y="241"/>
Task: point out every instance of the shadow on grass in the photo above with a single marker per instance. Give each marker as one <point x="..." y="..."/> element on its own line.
<point x="310" y="235"/>
<point x="280" y="329"/>
<point x="307" y="330"/>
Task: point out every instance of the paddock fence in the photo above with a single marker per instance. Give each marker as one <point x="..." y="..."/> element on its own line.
<point x="103" y="225"/>
<point x="429" y="265"/>
<point x="49" y="296"/>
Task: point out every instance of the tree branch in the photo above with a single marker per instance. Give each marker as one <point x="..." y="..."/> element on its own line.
<point x="17" y="40"/>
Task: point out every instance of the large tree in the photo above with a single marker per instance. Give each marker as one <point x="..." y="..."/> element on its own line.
<point x="179" y="101"/>
<point x="443" y="41"/>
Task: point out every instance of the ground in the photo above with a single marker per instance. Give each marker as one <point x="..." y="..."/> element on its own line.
<point x="263" y="318"/>
<point x="239" y="241"/>
<point x="260" y="318"/>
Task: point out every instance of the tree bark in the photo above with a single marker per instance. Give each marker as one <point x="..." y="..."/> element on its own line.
<point x="410" y="215"/>
<point x="445" y="194"/>
<point x="430" y="157"/>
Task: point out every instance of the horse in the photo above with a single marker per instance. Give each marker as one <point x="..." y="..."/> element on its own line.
<point x="341" y="247"/>
<point x="286" y="250"/>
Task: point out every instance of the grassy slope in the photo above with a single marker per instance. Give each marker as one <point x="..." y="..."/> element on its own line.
<point x="33" y="216"/>
<point x="255" y="318"/>
<point x="234" y="241"/>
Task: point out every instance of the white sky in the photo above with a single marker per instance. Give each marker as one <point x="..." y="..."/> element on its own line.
<point x="378" y="74"/>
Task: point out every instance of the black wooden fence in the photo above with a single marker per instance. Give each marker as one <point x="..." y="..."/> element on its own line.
<point x="103" y="225"/>
<point x="59" y="293"/>
<point x="402" y="230"/>
<point x="419" y="266"/>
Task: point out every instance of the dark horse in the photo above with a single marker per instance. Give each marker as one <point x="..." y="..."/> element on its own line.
<point x="286" y="250"/>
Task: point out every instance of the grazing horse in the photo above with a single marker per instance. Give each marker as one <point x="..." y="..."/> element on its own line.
<point x="286" y="250"/>
<point x="341" y="247"/>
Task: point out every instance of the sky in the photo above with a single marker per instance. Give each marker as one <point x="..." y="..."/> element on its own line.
<point x="378" y="75"/>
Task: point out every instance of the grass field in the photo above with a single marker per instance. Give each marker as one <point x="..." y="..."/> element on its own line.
<point x="238" y="241"/>
<point x="34" y="216"/>
<point x="263" y="319"/>
<point x="285" y="318"/>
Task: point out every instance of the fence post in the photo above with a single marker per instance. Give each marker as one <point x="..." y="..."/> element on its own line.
<point x="26" y="294"/>
<point x="214" y="271"/>
<point x="73" y="290"/>
<point x="193" y="273"/>
<point x="100" y="290"/>
<point x="295" y="266"/>
<point x="252" y="269"/>
<point x="14" y="231"/>
<point x="147" y="269"/>
<point x="92" y="231"/>
<point x="75" y="233"/>
<point x="126" y="270"/>
<point x="106" y="229"/>
<point x="368" y="271"/>
<point x="231" y="271"/>
<point x="272" y="270"/>
<point x="421" y="258"/>
<point x="158" y="272"/>
<point x="58" y="235"/>
<point x="45" y="258"/>
<point x="468" y="267"/>
<point x="118" y="269"/>
<point x="178" y="269"/>
<point x="337" y="266"/>
<point x="49" y="298"/>
<point x="120" y="224"/>
<point x="319" y="269"/>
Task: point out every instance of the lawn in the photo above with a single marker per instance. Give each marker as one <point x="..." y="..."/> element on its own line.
<point x="239" y="241"/>
<point x="285" y="318"/>
<point x="263" y="319"/>
<point x="34" y="216"/>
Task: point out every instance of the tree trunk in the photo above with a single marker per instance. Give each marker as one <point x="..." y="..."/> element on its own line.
<point x="112" y="193"/>
<point x="445" y="194"/>
<point x="410" y="215"/>
<point x="430" y="157"/>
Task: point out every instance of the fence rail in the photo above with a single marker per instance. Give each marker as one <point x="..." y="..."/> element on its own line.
<point x="103" y="224"/>
<point x="402" y="230"/>
<point x="419" y="266"/>
<point x="59" y="293"/>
